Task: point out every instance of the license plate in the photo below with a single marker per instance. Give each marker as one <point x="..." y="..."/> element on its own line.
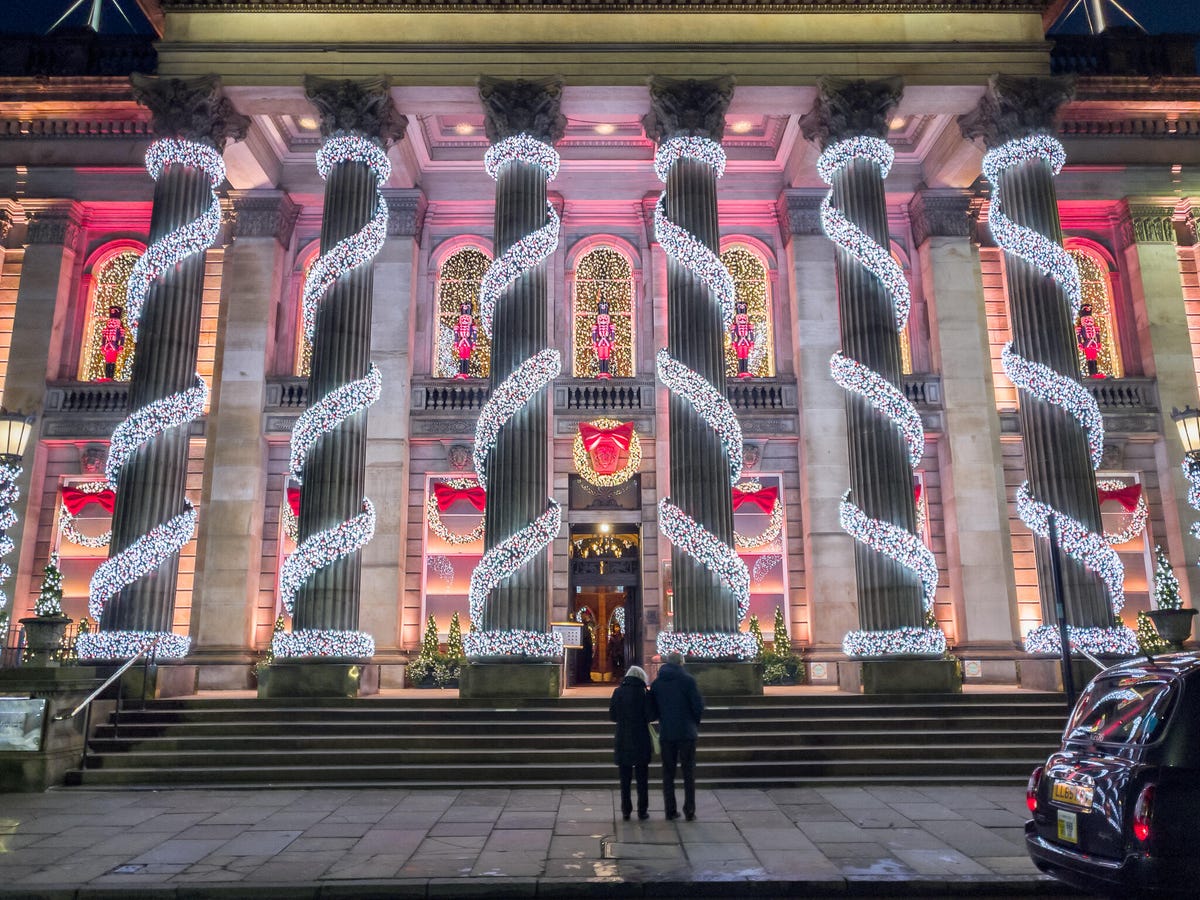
<point x="1075" y="794"/>
<point x="1068" y="826"/>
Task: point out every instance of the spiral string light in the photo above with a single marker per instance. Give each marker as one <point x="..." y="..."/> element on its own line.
<point x="322" y="548"/>
<point x="529" y="378"/>
<point x="684" y="532"/>
<point x="143" y="425"/>
<point x="9" y="494"/>
<point x="1089" y="549"/>
<point x="890" y="540"/>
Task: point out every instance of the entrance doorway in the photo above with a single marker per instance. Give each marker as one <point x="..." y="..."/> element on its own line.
<point x="605" y="580"/>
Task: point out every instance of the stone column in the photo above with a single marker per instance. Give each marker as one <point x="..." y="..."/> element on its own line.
<point x="518" y="467"/>
<point x="383" y="574"/>
<point x="1152" y="262"/>
<point x="231" y="529"/>
<point x="1057" y="460"/>
<point x="824" y="452"/>
<point x="881" y="476"/>
<point x="335" y="470"/>
<point x="151" y="490"/>
<point x="975" y="506"/>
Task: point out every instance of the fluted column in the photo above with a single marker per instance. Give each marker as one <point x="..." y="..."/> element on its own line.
<point x="1058" y="462"/>
<point x="151" y="489"/>
<point x="891" y="596"/>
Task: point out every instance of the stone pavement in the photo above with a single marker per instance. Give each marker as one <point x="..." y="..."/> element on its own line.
<point x="809" y="842"/>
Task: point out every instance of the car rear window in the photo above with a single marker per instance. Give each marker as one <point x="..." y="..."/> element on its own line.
<point x="1123" y="709"/>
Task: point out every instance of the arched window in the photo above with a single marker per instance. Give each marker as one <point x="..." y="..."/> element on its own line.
<point x="460" y="337"/>
<point x="1097" y="293"/>
<point x="603" y="324"/>
<point x="303" y="344"/>
<point x="755" y="353"/>
<point x="108" y="343"/>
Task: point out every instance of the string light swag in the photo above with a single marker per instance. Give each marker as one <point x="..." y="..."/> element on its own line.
<point x="127" y="644"/>
<point x="66" y="519"/>
<point x="9" y="494"/>
<point x="709" y="403"/>
<point x="1120" y="641"/>
<point x="1137" y="519"/>
<point x="143" y="425"/>
<point x="323" y="548"/>
<point x="530" y="376"/>
<point x="1089" y="549"/>
<point x="886" y="538"/>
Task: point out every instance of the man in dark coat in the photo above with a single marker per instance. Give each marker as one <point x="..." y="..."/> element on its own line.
<point x="632" y="708"/>
<point x="680" y="707"/>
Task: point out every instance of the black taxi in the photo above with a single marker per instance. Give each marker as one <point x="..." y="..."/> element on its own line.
<point x="1117" y="808"/>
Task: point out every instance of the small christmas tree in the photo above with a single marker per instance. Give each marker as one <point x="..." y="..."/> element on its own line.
<point x="1147" y="636"/>
<point x="85" y="626"/>
<point x="454" y="641"/>
<point x="1166" y="585"/>
<point x="783" y="643"/>
<point x="49" y="601"/>
<point x="429" y="646"/>
<point x="756" y="633"/>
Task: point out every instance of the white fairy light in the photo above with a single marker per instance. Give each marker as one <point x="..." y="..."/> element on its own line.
<point x="66" y="520"/>
<point x="1137" y="520"/>
<point x="530" y="377"/>
<point x="140" y="558"/>
<point x="103" y="645"/>
<point x="895" y="543"/>
<point x="1119" y="641"/>
<point x="329" y="412"/>
<point x="433" y="516"/>
<point x="322" y="549"/>
<point x="895" y="642"/>
<point x="511" y="554"/>
<point x="145" y="424"/>
<point x="709" y="403"/>
<point x="1066" y="393"/>
<point x="322" y="643"/>
<point x="768" y="534"/>
<point x="9" y="494"/>
<point x="883" y="396"/>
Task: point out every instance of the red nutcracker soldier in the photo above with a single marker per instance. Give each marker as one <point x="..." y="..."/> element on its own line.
<point x="112" y="341"/>
<point x="742" y="334"/>
<point x="603" y="338"/>
<point x="1087" y="331"/>
<point x="465" y="335"/>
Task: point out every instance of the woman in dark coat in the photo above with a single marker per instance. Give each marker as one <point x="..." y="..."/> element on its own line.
<point x="633" y="709"/>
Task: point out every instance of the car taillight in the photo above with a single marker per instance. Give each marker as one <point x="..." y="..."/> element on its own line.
<point x="1031" y="789"/>
<point x="1143" y="812"/>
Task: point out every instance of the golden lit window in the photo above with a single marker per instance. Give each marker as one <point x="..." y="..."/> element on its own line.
<point x="108" y="341"/>
<point x="1096" y="338"/>
<point x="303" y="344"/>
<point x="750" y="343"/>
<point x="461" y="348"/>
<point x="603" y="336"/>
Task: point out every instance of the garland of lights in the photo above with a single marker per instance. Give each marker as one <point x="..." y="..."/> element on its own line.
<point x="291" y="524"/>
<point x="1089" y="549"/>
<point x="1191" y="471"/>
<point x="684" y="532"/>
<point x="896" y="543"/>
<point x="774" y="523"/>
<point x="128" y="644"/>
<point x="1119" y="641"/>
<point x="530" y="377"/>
<point x="323" y="548"/>
<point x="442" y="567"/>
<point x="143" y="425"/>
<point x="763" y="566"/>
<point x="433" y="517"/>
<point x="1137" y="519"/>
<point x="9" y="494"/>
<point x="583" y="462"/>
<point x="66" y="519"/>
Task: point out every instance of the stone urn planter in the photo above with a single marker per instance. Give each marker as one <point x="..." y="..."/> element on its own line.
<point x="1173" y="625"/>
<point x="43" y="636"/>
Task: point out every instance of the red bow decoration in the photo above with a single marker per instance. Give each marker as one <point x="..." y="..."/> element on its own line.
<point x="917" y="493"/>
<point x="447" y="496"/>
<point x="293" y="499"/>
<point x="763" y="498"/>
<point x="74" y="499"/>
<point x="1128" y="497"/>
<point x="608" y="448"/>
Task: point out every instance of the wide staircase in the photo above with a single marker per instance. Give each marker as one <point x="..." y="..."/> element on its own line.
<point x="771" y="741"/>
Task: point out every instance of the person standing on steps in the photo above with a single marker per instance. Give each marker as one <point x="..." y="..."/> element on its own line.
<point x="632" y="708"/>
<point x="680" y="707"/>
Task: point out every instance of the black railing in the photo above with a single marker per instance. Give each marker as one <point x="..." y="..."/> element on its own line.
<point x="1122" y="51"/>
<point x="87" y="397"/>
<point x="74" y="52"/>
<point x="604" y="396"/>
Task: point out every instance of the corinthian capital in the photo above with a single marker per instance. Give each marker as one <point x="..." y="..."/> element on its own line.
<point x="521" y="106"/>
<point x="847" y="108"/>
<point x="193" y="109"/>
<point x="1015" y="107"/>
<point x="687" y="107"/>
<point x="361" y="107"/>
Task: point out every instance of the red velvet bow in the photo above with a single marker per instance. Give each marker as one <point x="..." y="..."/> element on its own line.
<point x="607" y="447"/>
<point x="917" y="493"/>
<point x="447" y="496"/>
<point x="764" y="498"/>
<point x="293" y="499"/>
<point x="74" y="499"/>
<point x="1128" y="497"/>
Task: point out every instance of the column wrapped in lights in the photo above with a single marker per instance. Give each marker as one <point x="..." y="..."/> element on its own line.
<point x="132" y="593"/>
<point x="319" y="582"/>
<point x="14" y="436"/>
<point x="711" y="582"/>
<point x="897" y="573"/>
<point x="1062" y="429"/>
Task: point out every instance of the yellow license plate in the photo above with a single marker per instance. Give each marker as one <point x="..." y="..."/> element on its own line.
<point x="1075" y="794"/>
<point x="1068" y="827"/>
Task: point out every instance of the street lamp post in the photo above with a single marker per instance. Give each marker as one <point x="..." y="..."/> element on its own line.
<point x="14" y="436"/>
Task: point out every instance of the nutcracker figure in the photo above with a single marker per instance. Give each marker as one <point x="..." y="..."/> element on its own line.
<point x="742" y="334"/>
<point x="112" y="341"/>
<point x="603" y="338"/>
<point x="465" y="335"/>
<point x="1087" y="331"/>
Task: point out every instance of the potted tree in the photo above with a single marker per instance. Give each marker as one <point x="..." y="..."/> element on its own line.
<point x="1173" y="622"/>
<point x="44" y="630"/>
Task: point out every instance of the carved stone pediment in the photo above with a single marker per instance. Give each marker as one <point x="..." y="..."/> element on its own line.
<point x="522" y="106"/>
<point x="193" y="109"/>
<point x="688" y="107"/>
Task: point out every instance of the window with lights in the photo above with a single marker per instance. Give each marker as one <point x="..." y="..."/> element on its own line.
<point x="750" y="341"/>
<point x="603" y="320"/>
<point x="454" y="506"/>
<point x="462" y="348"/>
<point x="1096" y="343"/>
<point x="108" y="344"/>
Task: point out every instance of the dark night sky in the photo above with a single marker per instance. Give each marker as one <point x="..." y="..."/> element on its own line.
<point x="35" y="16"/>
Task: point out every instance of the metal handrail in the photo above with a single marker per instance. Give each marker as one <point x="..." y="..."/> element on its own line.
<point x="111" y="678"/>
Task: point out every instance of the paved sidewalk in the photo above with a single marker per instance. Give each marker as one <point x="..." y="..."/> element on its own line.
<point x="900" y="841"/>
